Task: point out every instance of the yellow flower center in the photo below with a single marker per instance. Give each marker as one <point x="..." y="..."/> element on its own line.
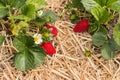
<point x="35" y="39"/>
<point x="46" y="34"/>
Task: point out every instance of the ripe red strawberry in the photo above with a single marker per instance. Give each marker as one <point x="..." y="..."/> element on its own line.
<point x="81" y="26"/>
<point x="49" y="48"/>
<point x="54" y="30"/>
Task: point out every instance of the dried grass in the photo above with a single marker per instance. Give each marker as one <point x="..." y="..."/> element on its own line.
<point x="69" y="63"/>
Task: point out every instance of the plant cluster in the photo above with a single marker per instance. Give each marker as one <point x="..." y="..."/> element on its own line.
<point x="18" y="18"/>
<point x="102" y="22"/>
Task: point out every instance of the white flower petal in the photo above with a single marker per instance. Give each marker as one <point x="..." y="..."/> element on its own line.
<point x="40" y="13"/>
<point x="35" y="35"/>
<point x="39" y="38"/>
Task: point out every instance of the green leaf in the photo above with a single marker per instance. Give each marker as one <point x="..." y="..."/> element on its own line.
<point x="74" y="16"/>
<point x="96" y="27"/>
<point x="39" y="22"/>
<point x="29" y="56"/>
<point x="24" y="60"/>
<point x="1" y="3"/>
<point x="17" y="3"/>
<point x="22" y="32"/>
<point x="21" y="17"/>
<point x="39" y="56"/>
<point x="3" y="11"/>
<point x="13" y="3"/>
<point x="29" y="59"/>
<point x="101" y="14"/>
<point x="49" y="16"/>
<point x="77" y="4"/>
<point x="23" y="42"/>
<point x="89" y="4"/>
<point x="6" y="2"/>
<point x="115" y="5"/>
<point x="29" y="11"/>
<point x="2" y="38"/>
<point x="23" y="24"/>
<point x="108" y="50"/>
<point x="99" y="38"/>
<point x="38" y="3"/>
<point x="102" y="29"/>
<point x="93" y="28"/>
<point x="114" y="44"/>
<point x="98" y="9"/>
<point x="105" y="2"/>
<point x="101" y="2"/>
<point x="116" y="34"/>
<point x="45" y="17"/>
<point x="17" y="27"/>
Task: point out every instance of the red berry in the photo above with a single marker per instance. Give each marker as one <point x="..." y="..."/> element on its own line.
<point x="49" y="48"/>
<point x="54" y="30"/>
<point x="81" y="26"/>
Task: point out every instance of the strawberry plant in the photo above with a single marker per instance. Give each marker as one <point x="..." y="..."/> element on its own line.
<point x="104" y="23"/>
<point x="17" y="18"/>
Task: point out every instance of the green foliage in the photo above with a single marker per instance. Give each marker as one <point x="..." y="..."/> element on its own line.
<point x="2" y="38"/>
<point x="26" y="12"/>
<point x="29" y="11"/>
<point x="96" y="27"/>
<point x="29" y="55"/>
<point x="3" y="11"/>
<point x="101" y="14"/>
<point x="103" y="29"/>
<point x="74" y="17"/>
<point x="89" y="4"/>
<point x="102" y="37"/>
<point x="99" y="38"/>
<point x="49" y="16"/>
<point x="105" y="2"/>
<point x="98" y="10"/>
<point x="93" y="27"/>
<point x="45" y="17"/>
<point x="23" y="42"/>
<point x="112" y="4"/>
<point x="108" y="49"/>
<point x="115" y="5"/>
<point x="17" y="3"/>
<point x="75" y="6"/>
<point x="38" y="3"/>
<point x="21" y="15"/>
<point x="46" y="34"/>
<point x="116" y="32"/>
<point x="29" y="59"/>
<point x="39" y="22"/>
<point x="17" y="27"/>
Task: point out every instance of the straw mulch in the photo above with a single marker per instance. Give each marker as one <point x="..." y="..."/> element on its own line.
<point x="69" y="63"/>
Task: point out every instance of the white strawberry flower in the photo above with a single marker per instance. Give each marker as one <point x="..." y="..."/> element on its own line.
<point x="40" y="13"/>
<point x="38" y="38"/>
